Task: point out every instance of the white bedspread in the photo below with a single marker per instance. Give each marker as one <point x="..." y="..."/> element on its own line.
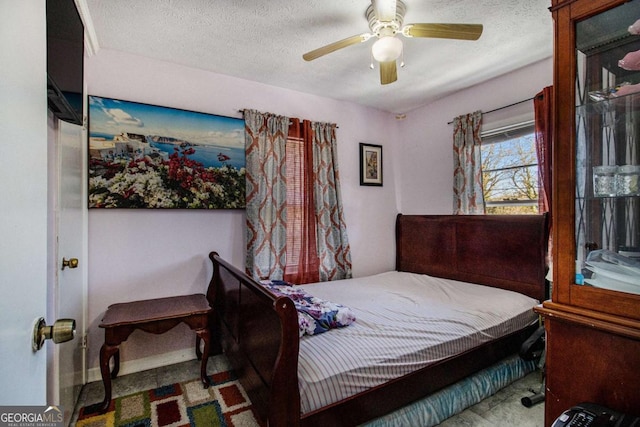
<point x="405" y="322"/>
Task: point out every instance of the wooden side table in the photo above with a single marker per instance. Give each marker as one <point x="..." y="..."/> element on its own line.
<point x="156" y="316"/>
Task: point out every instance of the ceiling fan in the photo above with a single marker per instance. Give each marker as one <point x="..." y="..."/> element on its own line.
<point x="385" y="21"/>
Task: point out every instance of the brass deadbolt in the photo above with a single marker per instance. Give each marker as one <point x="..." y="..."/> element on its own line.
<point x="62" y="330"/>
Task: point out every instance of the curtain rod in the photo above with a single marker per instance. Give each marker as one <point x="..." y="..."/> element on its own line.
<point x="242" y="112"/>
<point x="506" y="106"/>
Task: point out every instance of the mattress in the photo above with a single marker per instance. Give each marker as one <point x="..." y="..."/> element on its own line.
<point x="404" y="322"/>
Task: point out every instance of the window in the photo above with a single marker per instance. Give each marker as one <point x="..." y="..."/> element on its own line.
<point x="302" y="259"/>
<point x="295" y="201"/>
<point x="510" y="170"/>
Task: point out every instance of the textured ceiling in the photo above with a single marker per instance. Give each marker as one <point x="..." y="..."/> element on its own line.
<point x="263" y="41"/>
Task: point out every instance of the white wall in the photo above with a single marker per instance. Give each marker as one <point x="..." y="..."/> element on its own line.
<point x="137" y="254"/>
<point x="425" y="153"/>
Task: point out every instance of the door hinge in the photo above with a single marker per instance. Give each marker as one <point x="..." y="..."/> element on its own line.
<point x="84" y="341"/>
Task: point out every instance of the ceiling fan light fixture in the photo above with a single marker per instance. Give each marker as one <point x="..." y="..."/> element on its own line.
<point x="387" y="48"/>
<point x="386" y="19"/>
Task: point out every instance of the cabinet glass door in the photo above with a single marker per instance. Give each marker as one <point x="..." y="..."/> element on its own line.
<point x="607" y="165"/>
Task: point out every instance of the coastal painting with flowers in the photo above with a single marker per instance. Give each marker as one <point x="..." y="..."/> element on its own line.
<point x="147" y="156"/>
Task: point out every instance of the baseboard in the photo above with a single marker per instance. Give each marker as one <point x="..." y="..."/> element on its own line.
<point x="145" y="363"/>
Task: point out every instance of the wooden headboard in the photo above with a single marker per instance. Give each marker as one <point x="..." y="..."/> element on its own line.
<point x="505" y="251"/>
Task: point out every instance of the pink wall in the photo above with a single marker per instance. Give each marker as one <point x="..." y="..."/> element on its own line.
<point x="424" y="163"/>
<point x="137" y="254"/>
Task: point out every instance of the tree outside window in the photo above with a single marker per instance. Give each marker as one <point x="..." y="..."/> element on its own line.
<point x="510" y="171"/>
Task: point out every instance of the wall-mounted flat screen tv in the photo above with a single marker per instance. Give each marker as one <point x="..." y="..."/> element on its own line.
<point x="65" y="60"/>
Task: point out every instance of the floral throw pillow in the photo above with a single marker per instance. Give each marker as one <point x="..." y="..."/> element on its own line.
<point x="315" y="315"/>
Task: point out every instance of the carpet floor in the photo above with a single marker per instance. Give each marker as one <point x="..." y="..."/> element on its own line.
<point x="182" y="404"/>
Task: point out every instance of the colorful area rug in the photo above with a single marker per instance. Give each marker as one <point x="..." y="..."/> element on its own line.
<point x="184" y="404"/>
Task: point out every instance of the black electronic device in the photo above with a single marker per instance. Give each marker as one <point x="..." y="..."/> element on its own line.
<point x="594" y="415"/>
<point x="65" y="61"/>
<point x="533" y="347"/>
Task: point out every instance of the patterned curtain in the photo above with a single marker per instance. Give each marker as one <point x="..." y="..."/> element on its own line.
<point x="333" y="244"/>
<point x="265" y="142"/>
<point x="468" y="198"/>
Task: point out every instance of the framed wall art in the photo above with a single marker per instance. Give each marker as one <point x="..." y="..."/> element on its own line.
<point x="370" y="164"/>
<point x="147" y="156"/>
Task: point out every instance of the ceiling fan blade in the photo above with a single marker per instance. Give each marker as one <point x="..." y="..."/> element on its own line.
<point x="388" y="72"/>
<point x="385" y="10"/>
<point x="324" y="50"/>
<point x="444" y="31"/>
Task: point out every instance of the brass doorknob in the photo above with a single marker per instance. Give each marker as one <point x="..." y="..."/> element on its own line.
<point x="71" y="263"/>
<point x="62" y="330"/>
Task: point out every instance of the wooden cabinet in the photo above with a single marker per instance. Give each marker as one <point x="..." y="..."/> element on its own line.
<point x="593" y="317"/>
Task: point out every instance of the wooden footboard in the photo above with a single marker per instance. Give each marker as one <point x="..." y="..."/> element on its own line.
<point x="259" y="333"/>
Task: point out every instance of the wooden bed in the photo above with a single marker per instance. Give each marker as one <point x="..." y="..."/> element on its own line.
<point x="259" y="331"/>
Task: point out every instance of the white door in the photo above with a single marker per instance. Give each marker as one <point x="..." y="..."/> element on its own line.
<point x="23" y="199"/>
<point x="69" y="291"/>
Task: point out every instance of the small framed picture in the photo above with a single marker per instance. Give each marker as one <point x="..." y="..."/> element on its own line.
<point x="370" y="164"/>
